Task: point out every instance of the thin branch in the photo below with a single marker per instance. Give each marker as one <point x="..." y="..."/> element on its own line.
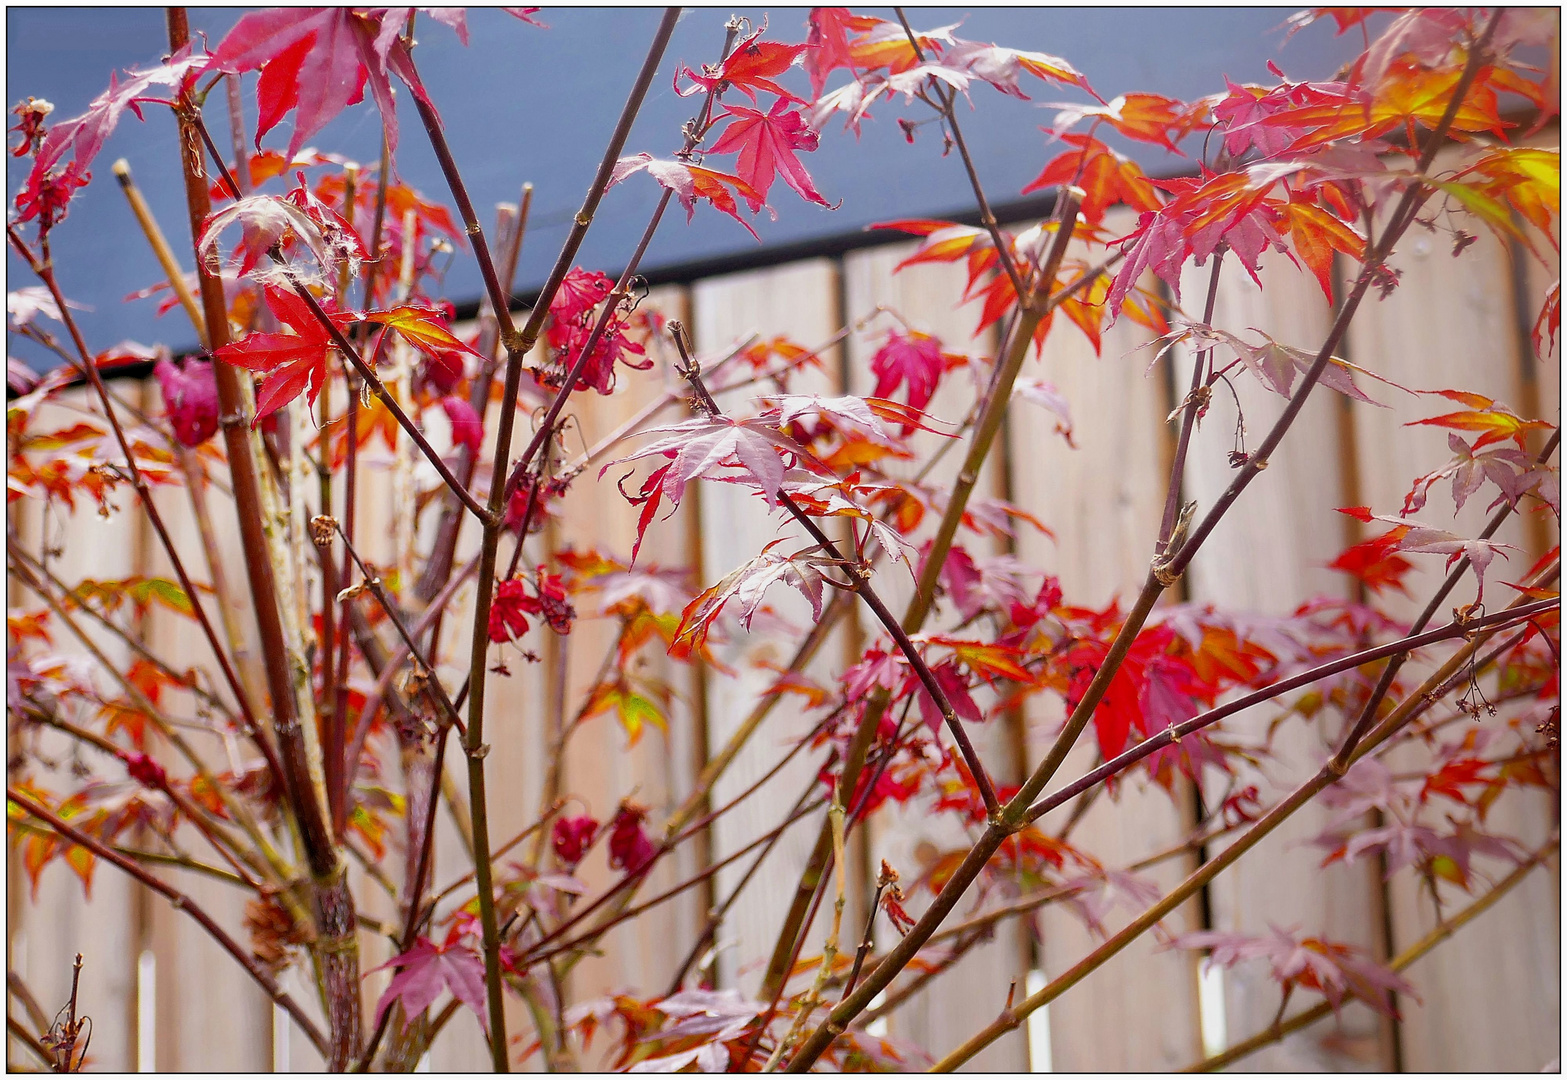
<point x="19" y="989"/>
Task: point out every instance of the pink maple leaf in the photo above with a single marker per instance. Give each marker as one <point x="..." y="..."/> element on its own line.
<point x="427" y="969"/>
<point x="912" y="358"/>
<point x="828" y="42"/>
<point x="190" y="399"/>
<point x="1328" y="967"/>
<point x="767" y="143"/>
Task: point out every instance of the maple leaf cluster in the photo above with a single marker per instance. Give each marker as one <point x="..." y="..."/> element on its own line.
<point x="573" y="316"/>
<point x="1330" y="968"/>
<point x="767" y="143"/>
<point x="516" y="598"/>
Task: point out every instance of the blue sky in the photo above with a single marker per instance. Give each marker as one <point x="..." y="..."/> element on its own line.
<point x="524" y="104"/>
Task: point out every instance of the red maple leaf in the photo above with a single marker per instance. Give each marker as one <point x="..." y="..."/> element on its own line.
<point x="292" y="363"/>
<point x="1376" y="563"/>
<point x="828" y="43"/>
<point x="746" y="585"/>
<point x="1105" y="176"/>
<point x="751" y="67"/>
<point x="955" y="687"/>
<point x="1316" y="235"/>
<point x="1494" y="420"/>
<point x="767" y="142"/>
<point x="510" y="609"/>
<point x="571" y="837"/>
<point x="1144" y="117"/>
<point x="316" y="61"/>
<point x="1153" y="690"/>
<point x="913" y="358"/>
<point x="427" y="969"/>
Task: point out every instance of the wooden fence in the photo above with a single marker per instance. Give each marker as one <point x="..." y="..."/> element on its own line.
<point x="163" y="996"/>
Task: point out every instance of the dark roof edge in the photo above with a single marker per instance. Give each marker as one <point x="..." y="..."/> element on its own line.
<point x="694" y="270"/>
<point x="830" y="245"/>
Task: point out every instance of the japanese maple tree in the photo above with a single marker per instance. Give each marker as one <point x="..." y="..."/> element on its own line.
<point x="328" y="357"/>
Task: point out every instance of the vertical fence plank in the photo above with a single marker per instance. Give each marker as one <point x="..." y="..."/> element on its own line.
<point x="601" y="766"/>
<point x="1491" y="994"/>
<point x="797" y="300"/>
<point x="1103" y="501"/>
<point x="974" y="991"/>
<point x="200" y="988"/>
<point x="61" y="919"/>
<point x="1267" y="557"/>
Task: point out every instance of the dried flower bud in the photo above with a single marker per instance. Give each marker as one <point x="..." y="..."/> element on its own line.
<point x="273" y="933"/>
<point x="629" y="848"/>
<point x="322" y="527"/>
<point x="571" y="838"/>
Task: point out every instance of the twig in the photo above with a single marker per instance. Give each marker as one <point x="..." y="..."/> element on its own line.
<point x="160" y="247"/>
